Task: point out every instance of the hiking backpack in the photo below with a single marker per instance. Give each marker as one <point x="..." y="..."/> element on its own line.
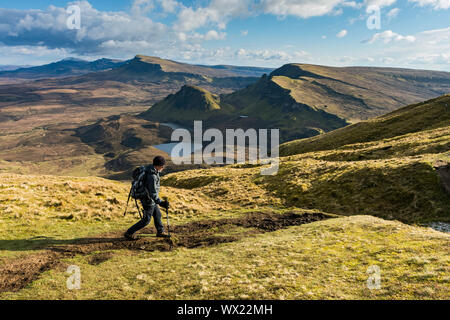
<point x="138" y="190"/>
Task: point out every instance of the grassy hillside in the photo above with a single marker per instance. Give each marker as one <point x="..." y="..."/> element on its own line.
<point x="307" y="100"/>
<point x="359" y="93"/>
<point x="180" y="107"/>
<point x="308" y="232"/>
<point x="231" y="252"/>
<point x="384" y="167"/>
<point x="424" y="116"/>
<point x="274" y="107"/>
<point x="406" y="189"/>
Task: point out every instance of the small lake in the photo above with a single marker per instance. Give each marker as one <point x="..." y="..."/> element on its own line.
<point x="168" y="147"/>
<point x="440" y="226"/>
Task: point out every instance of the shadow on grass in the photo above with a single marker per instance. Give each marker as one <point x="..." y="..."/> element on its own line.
<point x="42" y="242"/>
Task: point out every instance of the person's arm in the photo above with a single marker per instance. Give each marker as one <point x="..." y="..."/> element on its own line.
<point x="151" y="187"/>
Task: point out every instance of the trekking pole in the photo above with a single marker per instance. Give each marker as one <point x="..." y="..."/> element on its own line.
<point x="126" y="208"/>
<point x="167" y="215"/>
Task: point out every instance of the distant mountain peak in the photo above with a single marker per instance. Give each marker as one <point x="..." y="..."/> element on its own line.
<point x="73" y="59"/>
<point x="188" y="103"/>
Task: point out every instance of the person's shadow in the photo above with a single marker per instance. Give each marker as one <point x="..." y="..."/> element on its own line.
<point x="42" y="242"/>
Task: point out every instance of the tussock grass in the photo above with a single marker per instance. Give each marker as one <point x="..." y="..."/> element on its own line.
<point x="421" y="117"/>
<point x="406" y="189"/>
<point x="321" y="260"/>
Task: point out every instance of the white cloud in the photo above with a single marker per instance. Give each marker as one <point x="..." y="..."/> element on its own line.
<point x="388" y="36"/>
<point x="379" y="3"/>
<point x="436" y="4"/>
<point x="218" y="13"/>
<point x="31" y="27"/>
<point x="270" y="55"/>
<point x="214" y="35"/>
<point x="428" y="51"/>
<point x="300" y="8"/>
<point x="387" y="60"/>
<point x="393" y="13"/>
<point x="141" y="7"/>
<point x="342" y="33"/>
<point x="346" y="59"/>
<point x="351" y="4"/>
<point x="169" y="6"/>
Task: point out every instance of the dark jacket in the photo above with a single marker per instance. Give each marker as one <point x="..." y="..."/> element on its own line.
<point x="152" y="184"/>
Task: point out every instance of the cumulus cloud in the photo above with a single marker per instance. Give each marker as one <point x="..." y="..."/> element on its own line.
<point x="393" y="13"/>
<point x="301" y="8"/>
<point x="436" y="4"/>
<point x="428" y="51"/>
<point x="388" y="36"/>
<point x="219" y="12"/>
<point x="98" y="29"/>
<point x="169" y="6"/>
<point x="214" y="35"/>
<point x="379" y="3"/>
<point x="342" y="33"/>
<point x="268" y="55"/>
<point x="44" y="33"/>
<point x="141" y="7"/>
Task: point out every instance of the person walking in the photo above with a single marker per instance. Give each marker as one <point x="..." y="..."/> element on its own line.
<point x="152" y="202"/>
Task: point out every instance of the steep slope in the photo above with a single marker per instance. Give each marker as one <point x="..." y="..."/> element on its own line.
<point x="398" y="170"/>
<point x="431" y="114"/>
<point x="189" y="102"/>
<point x="220" y="251"/>
<point x="275" y="107"/>
<point x="261" y="105"/>
<point x="64" y="68"/>
<point x="359" y="93"/>
<point x="118" y="133"/>
<point x="306" y="100"/>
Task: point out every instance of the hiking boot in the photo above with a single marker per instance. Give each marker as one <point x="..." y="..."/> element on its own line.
<point x="162" y="235"/>
<point x="130" y="236"/>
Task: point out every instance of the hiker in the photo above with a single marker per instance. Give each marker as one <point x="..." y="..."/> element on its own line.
<point x="152" y="201"/>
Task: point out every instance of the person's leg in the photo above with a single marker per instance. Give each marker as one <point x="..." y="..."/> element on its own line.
<point x="157" y="220"/>
<point x="147" y="216"/>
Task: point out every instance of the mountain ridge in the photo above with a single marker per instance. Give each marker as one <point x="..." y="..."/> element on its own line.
<point x="63" y="68"/>
<point x="305" y="100"/>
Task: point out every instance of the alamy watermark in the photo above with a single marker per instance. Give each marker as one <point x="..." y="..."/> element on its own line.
<point x="374" y="280"/>
<point x="74" y="281"/>
<point x="189" y="150"/>
<point x="73" y="21"/>
<point x="374" y="20"/>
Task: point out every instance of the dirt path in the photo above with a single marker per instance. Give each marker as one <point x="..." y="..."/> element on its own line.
<point x="18" y="273"/>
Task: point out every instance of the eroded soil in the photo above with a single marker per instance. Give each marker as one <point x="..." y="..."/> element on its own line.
<point x="18" y="273"/>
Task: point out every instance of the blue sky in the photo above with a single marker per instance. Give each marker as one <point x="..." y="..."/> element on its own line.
<point x="411" y="33"/>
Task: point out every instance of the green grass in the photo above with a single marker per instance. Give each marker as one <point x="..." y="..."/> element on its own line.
<point x="421" y="117"/>
<point x="321" y="260"/>
<point x="387" y="171"/>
